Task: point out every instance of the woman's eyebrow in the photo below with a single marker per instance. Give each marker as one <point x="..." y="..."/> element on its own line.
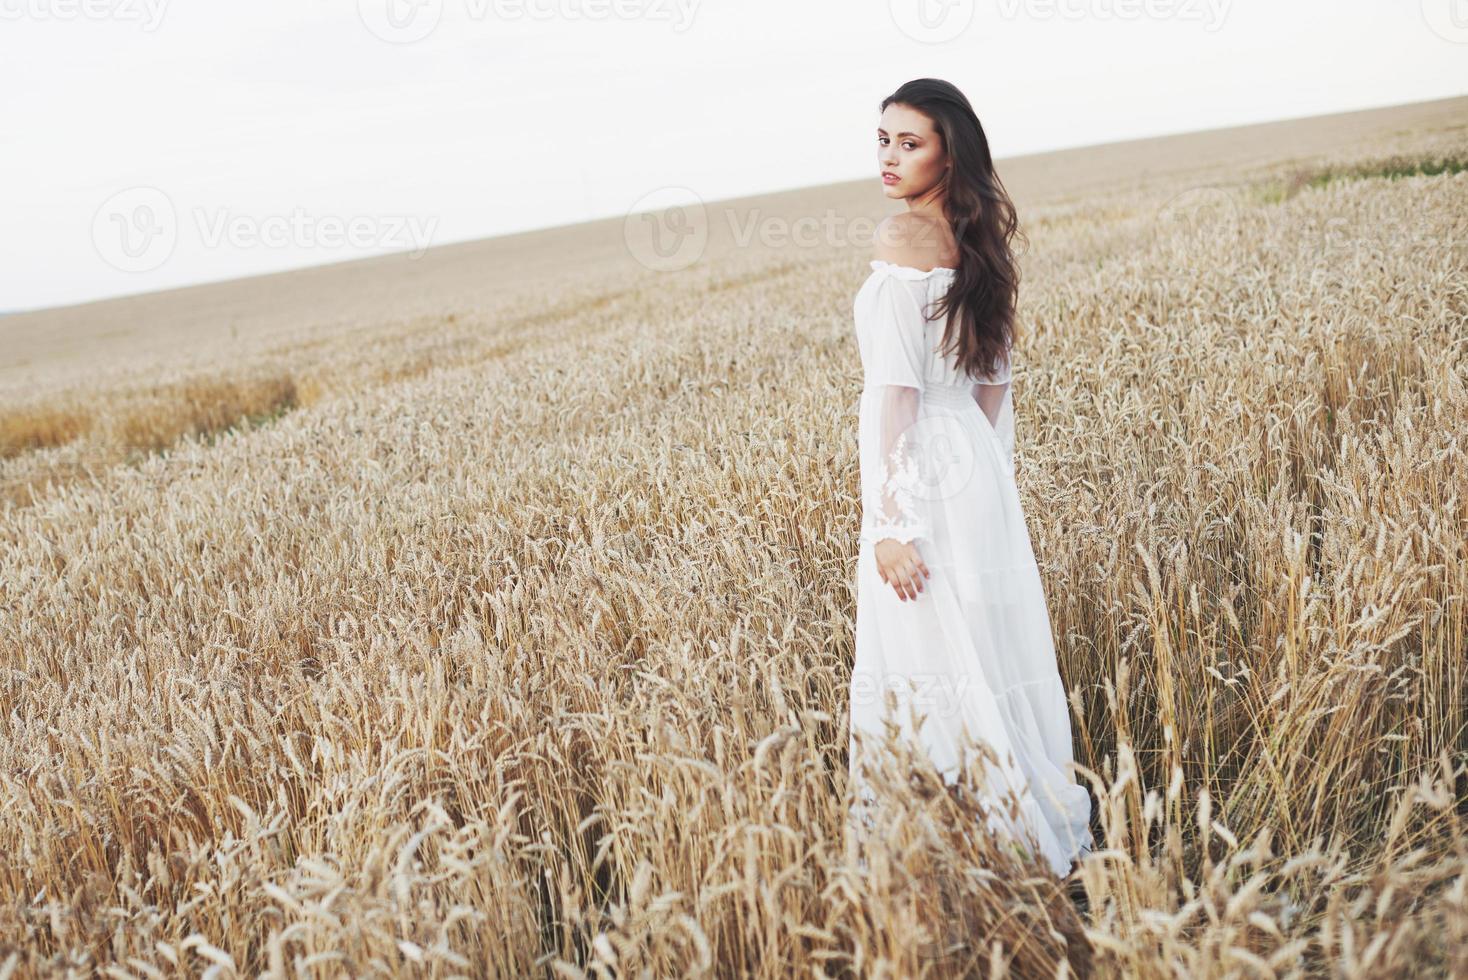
<point x="884" y="133"/>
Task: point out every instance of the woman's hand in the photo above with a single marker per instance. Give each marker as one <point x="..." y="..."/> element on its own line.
<point x="901" y="567"/>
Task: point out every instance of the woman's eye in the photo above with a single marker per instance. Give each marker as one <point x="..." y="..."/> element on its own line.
<point x="909" y="145"/>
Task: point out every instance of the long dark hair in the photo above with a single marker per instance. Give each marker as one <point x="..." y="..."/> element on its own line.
<point x="980" y="304"/>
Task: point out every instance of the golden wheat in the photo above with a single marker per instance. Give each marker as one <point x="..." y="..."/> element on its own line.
<point x="516" y="641"/>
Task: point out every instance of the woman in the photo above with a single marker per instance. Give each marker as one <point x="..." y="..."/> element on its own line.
<point x="951" y="619"/>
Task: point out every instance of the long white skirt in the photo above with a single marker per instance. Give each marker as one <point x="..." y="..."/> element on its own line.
<point x="973" y="653"/>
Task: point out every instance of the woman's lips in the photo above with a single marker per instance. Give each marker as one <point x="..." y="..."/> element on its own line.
<point x="890" y="178"/>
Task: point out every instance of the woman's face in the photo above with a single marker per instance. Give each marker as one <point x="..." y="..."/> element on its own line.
<point x="910" y="148"/>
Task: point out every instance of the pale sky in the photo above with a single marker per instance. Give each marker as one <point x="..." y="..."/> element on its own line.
<point x="146" y="144"/>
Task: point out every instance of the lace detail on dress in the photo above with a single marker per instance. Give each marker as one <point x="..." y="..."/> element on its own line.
<point x="900" y="482"/>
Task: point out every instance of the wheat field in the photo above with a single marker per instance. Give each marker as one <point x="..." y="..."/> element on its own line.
<point x="504" y="629"/>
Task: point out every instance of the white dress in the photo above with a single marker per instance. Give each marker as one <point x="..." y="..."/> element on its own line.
<point x="973" y="652"/>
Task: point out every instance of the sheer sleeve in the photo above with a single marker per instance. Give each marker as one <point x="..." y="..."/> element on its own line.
<point x="995" y="400"/>
<point x="895" y="373"/>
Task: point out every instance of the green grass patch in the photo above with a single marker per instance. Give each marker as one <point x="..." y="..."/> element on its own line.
<point x="1389" y="168"/>
<point x="1392" y="170"/>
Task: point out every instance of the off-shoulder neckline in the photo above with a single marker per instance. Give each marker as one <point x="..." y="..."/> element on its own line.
<point x="908" y="272"/>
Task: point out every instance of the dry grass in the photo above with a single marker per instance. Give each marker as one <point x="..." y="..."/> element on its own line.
<point x="530" y="656"/>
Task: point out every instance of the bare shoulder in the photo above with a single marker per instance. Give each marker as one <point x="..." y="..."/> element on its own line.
<point x="914" y="240"/>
